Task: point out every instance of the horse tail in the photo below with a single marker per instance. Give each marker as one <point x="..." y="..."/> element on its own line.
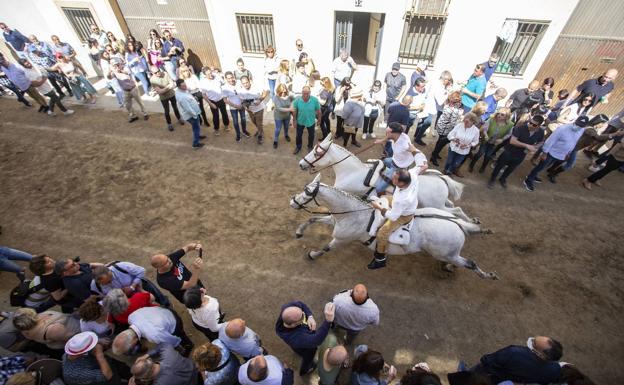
<point x="455" y="188"/>
<point x="468" y="227"/>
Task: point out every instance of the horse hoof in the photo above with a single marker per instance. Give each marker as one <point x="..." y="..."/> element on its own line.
<point x="487" y="231"/>
<point x="493" y="276"/>
<point x="448" y="267"/>
<point x="310" y="256"/>
<point x="476" y="220"/>
<point x="298" y="235"/>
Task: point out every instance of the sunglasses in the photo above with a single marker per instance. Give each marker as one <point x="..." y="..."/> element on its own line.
<point x="533" y="124"/>
<point x="299" y="45"/>
<point x="587" y="100"/>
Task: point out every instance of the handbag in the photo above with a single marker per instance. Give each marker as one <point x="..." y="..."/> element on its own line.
<point x="126" y="84"/>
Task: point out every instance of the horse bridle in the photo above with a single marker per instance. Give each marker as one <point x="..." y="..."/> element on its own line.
<point x="316" y="152"/>
<point x="312" y="194"/>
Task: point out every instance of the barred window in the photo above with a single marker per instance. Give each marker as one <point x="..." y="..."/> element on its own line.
<point x="255" y="31"/>
<point x="422" y="31"/>
<point x="514" y="56"/>
<point x="81" y="20"/>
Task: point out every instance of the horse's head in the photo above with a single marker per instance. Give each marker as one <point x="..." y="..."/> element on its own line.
<point x="317" y="157"/>
<point x="308" y="194"/>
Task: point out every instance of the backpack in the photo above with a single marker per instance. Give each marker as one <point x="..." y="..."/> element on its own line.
<point x="109" y="265"/>
<point x="22" y="291"/>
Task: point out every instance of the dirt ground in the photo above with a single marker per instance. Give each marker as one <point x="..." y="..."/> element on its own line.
<point x="93" y="185"/>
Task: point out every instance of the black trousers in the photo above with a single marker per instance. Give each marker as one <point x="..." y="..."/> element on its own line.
<point x="612" y="164"/>
<point x="339" y="127"/>
<point x="506" y="159"/>
<point x="165" y="103"/>
<point x="200" y="99"/>
<point x="56" y="79"/>
<point x="369" y="122"/>
<point x="55" y="100"/>
<point x="186" y="342"/>
<point x="307" y="359"/>
<point x="439" y="146"/>
<point x="215" y="114"/>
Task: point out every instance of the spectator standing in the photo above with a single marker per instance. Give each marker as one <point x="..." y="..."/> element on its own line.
<point x="296" y="55"/>
<point x="131" y="92"/>
<point x="99" y="36"/>
<point x="308" y="63"/>
<point x="519" y="97"/>
<point x="271" y="68"/>
<point x="492" y="102"/>
<point x="557" y="148"/>
<point x="399" y="112"/>
<point x="204" y="310"/>
<point x="265" y="370"/>
<point x="193" y="87"/>
<point x="119" y="306"/>
<point x="152" y="38"/>
<point x="43" y="56"/>
<point x="165" y="87"/>
<point x="326" y="98"/>
<point x="190" y="111"/>
<point x="300" y="79"/>
<point x="76" y="277"/>
<point x="461" y="139"/>
<point x="241" y="71"/>
<point x="211" y="89"/>
<point x="43" y="266"/>
<point x="43" y="86"/>
<point x="67" y="50"/>
<point x="331" y="358"/>
<point x="173" y="275"/>
<point x="571" y="112"/>
<point x="18" y="77"/>
<point x="546" y="93"/>
<point x="437" y="96"/>
<point x="51" y="328"/>
<point x="6" y="83"/>
<point x="135" y="62"/>
<point x="80" y="85"/>
<point x="601" y="88"/>
<point x="297" y="327"/>
<point x="374" y="100"/>
<point x="8" y="255"/>
<point x="355" y="311"/>
<point x="283" y="74"/>
<point x="417" y="108"/>
<point x="240" y="339"/>
<point x="395" y="86"/>
<point x="496" y="130"/>
<point x="163" y="365"/>
<point x="84" y="361"/>
<point x="15" y="39"/>
<point x="93" y="318"/>
<point x="489" y="67"/>
<point x="237" y="111"/>
<point x="217" y="364"/>
<point x="343" y="67"/>
<point x="154" y="55"/>
<point x="368" y="368"/>
<point x="118" y="44"/>
<point x="172" y="51"/>
<point x="306" y="112"/>
<point x="341" y="95"/>
<point x="615" y="160"/>
<point x="106" y="63"/>
<point x="282" y="102"/>
<point x="353" y="116"/>
<point x="254" y="100"/>
<point x="474" y="88"/>
<point x="452" y="113"/>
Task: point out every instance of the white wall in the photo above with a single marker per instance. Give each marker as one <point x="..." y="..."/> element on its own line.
<point x="468" y="37"/>
<point x="44" y="18"/>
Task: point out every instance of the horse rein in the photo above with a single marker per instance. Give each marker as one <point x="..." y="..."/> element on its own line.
<point x="317" y="158"/>
<point x="312" y="194"/>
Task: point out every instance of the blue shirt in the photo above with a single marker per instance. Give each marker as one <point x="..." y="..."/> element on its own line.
<point x="168" y="44"/>
<point x="42" y="47"/>
<point x="17" y="76"/>
<point x="475" y="85"/>
<point x="16" y="39"/>
<point x="65" y="48"/>
<point x="518" y="364"/>
<point x="228" y="374"/>
<point x="562" y="141"/>
<point x="189" y="108"/>
<point x="488" y="71"/>
<point x="398" y="113"/>
<point x="492" y="104"/>
<point x="83" y="370"/>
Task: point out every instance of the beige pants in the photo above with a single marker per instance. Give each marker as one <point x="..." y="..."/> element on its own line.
<point x="133" y="95"/>
<point x="257" y="120"/>
<point x="33" y="93"/>
<point x="383" y="234"/>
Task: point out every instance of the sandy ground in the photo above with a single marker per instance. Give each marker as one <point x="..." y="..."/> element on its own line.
<point x="95" y="186"/>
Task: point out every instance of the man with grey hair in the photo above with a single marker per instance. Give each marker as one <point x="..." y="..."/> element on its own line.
<point x="343" y="67"/>
<point x="265" y="370"/>
<point x="240" y="339"/>
<point x="355" y="311"/>
<point x="156" y="325"/>
<point x="119" y="306"/>
<point x="306" y="112"/>
<point x="163" y="365"/>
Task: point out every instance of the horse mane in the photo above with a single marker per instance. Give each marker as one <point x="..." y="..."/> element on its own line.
<point x="347" y="152"/>
<point x="346" y="194"/>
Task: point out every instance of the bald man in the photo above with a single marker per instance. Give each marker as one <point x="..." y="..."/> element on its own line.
<point x="173" y="275"/>
<point x="297" y="327"/>
<point x="601" y="88"/>
<point x="331" y="358"/>
<point x="355" y="311"/>
<point x="517" y="99"/>
<point x="240" y="339"/>
<point x="265" y="370"/>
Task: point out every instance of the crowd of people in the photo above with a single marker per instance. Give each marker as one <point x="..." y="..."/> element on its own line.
<point x="116" y="326"/>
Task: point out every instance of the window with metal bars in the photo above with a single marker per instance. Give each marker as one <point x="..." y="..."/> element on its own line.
<point x="81" y="20"/>
<point x="514" y="56"/>
<point x="255" y="31"/>
<point x="421" y="36"/>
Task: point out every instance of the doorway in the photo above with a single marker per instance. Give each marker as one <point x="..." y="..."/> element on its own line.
<point x="360" y="34"/>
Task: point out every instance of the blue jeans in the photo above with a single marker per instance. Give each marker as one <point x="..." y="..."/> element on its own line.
<point x="299" y="138"/>
<point x="421" y="128"/>
<point x="194" y="122"/>
<point x="8" y="255"/>
<point x="549" y="161"/>
<point x="272" y="87"/>
<point x="381" y="184"/>
<point x="486" y="150"/>
<point x="453" y="161"/>
<point x="235" y="114"/>
<point x="570" y="162"/>
<point x="279" y="123"/>
<point x="170" y="67"/>
<point x="142" y="77"/>
<point x="119" y="94"/>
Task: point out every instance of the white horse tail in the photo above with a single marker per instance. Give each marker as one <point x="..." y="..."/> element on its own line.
<point x="468" y="227"/>
<point x="455" y="188"/>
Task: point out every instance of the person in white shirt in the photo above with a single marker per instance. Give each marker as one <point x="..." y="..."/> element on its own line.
<point x="254" y="100"/>
<point x="374" y="100"/>
<point x="204" y="311"/>
<point x="265" y="370"/>
<point x="403" y="204"/>
<point x="404" y="154"/>
<point x="233" y="99"/>
<point x="300" y="79"/>
<point x="40" y="81"/>
<point x="211" y="88"/>
<point x="271" y="68"/>
<point x="240" y="339"/>
<point x="156" y="325"/>
<point x="355" y="311"/>
<point x="343" y="67"/>
<point x="296" y="55"/>
<point x="462" y="138"/>
<point x="438" y="94"/>
<point x="418" y="114"/>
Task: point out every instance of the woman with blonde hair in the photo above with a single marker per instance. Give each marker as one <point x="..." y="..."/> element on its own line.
<point x="271" y="68"/>
<point x="283" y="76"/>
<point x="217" y="365"/>
<point x="462" y="139"/>
<point x="326" y="98"/>
<point x="495" y="130"/>
<point x="452" y="112"/>
<point x="308" y="63"/>
<point x="50" y="327"/>
<point x="282" y="100"/>
<point x="192" y="83"/>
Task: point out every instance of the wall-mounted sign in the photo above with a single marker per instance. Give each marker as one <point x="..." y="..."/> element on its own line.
<point x="169" y="25"/>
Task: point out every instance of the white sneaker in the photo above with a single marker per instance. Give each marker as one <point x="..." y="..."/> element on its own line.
<point x="373" y="135"/>
<point x="364" y="136"/>
<point x="68" y="112"/>
<point x="593" y="168"/>
<point x="51" y="113"/>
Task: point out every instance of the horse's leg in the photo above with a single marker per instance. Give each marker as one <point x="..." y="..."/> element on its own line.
<point x="313" y="254"/>
<point x="326" y="219"/>
<point x="458" y="260"/>
<point x="458" y="212"/>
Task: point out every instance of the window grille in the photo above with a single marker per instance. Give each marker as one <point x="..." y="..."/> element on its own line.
<point x="255" y="31"/>
<point x="422" y="31"/>
<point x="80" y="19"/>
<point x="515" y="56"/>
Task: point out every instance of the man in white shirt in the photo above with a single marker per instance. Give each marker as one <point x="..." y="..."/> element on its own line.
<point x="343" y="67"/>
<point x="295" y="56"/>
<point x="403" y="207"/>
<point x="355" y="311"/>
<point x="156" y="325"/>
<point x="211" y="88"/>
<point x="233" y="99"/>
<point x="204" y="311"/>
<point x="403" y="154"/>
<point x="265" y="370"/>
<point x="300" y="79"/>
<point x="240" y="339"/>
<point x="40" y="81"/>
<point x="254" y="100"/>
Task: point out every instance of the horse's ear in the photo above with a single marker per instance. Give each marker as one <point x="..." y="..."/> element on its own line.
<point x="317" y="178"/>
<point x="328" y="138"/>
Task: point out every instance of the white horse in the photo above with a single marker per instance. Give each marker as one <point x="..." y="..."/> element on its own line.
<point x="434" y="189"/>
<point x="441" y="238"/>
